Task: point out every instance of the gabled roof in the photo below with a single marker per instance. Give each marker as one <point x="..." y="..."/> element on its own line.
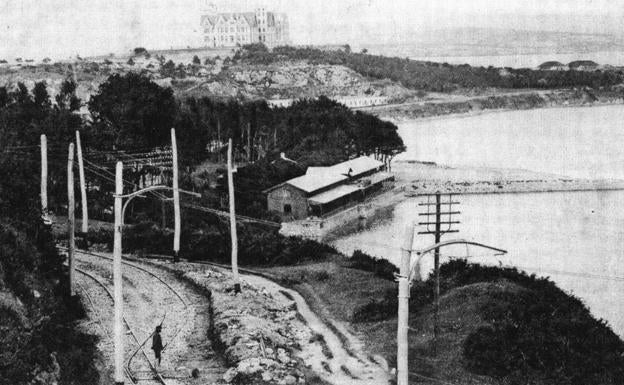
<point x="249" y="17"/>
<point x="317" y="178"/>
<point x="549" y="64"/>
<point x="584" y="63"/>
<point x="208" y="20"/>
<point x="335" y="193"/>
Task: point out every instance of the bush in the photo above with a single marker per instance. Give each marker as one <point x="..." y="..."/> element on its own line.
<point x="381" y="267"/>
<point x="544" y="333"/>
<point x="377" y="310"/>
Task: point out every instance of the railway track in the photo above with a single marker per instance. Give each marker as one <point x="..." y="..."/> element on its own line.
<point x="139" y="351"/>
<point x="127" y="369"/>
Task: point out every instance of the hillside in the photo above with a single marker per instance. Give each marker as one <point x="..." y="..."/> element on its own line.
<point x="498" y="326"/>
<point x="214" y="77"/>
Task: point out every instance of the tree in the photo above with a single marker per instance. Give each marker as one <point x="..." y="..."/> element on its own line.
<point x="196" y="60"/>
<point x="131" y="111"/>
<point x="140" y="51"/>
<point x="130" y="62"/>
<point x="66" y="98"/>
<point x="167" y="69"/>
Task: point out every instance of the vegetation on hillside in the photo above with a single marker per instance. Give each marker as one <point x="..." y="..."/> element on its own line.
<point x="535" y="333"/>
<point x="430" y="76"/>
<point x="39" y="339"/>
<point x="132" y="112"/>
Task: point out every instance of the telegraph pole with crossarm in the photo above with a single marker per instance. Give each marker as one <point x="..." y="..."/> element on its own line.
<point x="438" y="221"/>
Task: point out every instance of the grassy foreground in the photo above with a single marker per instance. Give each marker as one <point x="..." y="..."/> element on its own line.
<point x="497" y="326"/>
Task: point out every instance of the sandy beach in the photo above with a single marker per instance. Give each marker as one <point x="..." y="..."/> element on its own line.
<point x="415" y="178"/>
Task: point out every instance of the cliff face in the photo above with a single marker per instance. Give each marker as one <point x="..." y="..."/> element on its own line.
<point x="291" y="81"/>
<point x="219" y="79"/>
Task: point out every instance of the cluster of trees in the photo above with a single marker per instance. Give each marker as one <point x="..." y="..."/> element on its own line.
<point x="40" y="343"/>
<point x="131" y="112"/>
<point x="430" y="76"/>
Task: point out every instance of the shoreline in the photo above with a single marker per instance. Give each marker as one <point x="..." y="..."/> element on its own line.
<point x="518" y="187"/>
<point x="551" y="100"/>
<point x="471" y="114"/>
<point x="417" y="178"/>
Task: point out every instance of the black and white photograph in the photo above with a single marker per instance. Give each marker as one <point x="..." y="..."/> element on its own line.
<point x="319" y="192"/>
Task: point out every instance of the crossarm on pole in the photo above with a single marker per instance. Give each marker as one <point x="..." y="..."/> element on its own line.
<point x="421" y="252"/>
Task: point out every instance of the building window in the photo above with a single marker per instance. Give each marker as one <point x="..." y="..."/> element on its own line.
<point x="287" y="209"/>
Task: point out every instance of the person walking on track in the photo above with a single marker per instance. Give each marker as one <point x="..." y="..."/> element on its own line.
<point x="157" y="344"/>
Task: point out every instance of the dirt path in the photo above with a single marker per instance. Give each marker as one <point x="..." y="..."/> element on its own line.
<point x="334" y="363"/>
<point x="147" y="303"/>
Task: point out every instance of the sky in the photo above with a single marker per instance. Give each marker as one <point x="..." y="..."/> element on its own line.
<point x="62" y="28"/>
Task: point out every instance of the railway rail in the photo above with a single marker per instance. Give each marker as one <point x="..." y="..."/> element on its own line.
<point x="140" y="345"/>
<point x="127" y="368"/>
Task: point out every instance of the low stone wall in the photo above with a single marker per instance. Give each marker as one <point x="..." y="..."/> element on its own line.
<point x="346" y="221"/>
<point x="255" y="332"/>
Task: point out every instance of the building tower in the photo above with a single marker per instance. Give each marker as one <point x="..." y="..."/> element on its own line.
<point x="261" y="19"/>
<point x="208" y="8"/>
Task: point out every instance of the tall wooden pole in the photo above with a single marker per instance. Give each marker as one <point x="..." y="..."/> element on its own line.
<point x="233" y="220"/>
<point x="70" y="219"/>
<point x="436" y="295"/>
<point x="219" y="140"/>
<point x="249" y="142"/>
<point x="44" y="177"/>
<point x="83" y="187"/>
<point x="404" y="292"/>
<point x="117" y="278"/>
<point x="176" y="199"/>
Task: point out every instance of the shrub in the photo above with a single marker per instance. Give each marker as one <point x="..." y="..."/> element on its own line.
<point x="544" y="333"/>
<point x="377" y="310"/>
<point x="381" y="267"/>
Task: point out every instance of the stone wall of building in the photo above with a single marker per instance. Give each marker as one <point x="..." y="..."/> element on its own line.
<point x="288" y="195"/>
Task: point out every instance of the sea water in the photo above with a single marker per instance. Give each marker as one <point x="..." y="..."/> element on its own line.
<point x="575" y="238"/>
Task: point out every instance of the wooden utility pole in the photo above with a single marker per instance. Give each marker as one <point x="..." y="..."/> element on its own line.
<point x="117" y="279"/>
<point x="83" y="187"/>
<point x="438" y="231"/>
<point x="176" y="199"/>
<point x="233" y="220"/>
<point x="249" y="142"/>
<point x="219" y="140"/>
<point x="404" y="293"/>
<point x="44" y="177"/>
<point x="436" y="261"/>
<point x="71" y="219"/>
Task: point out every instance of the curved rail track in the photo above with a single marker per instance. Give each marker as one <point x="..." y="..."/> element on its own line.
<point x="127" y="368"/>
<point x="139" y="350"/>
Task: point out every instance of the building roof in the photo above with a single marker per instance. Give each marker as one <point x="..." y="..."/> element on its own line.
<point x="333" y="194"/>
<point x="250" y="17"/>
<point x="582" y="63"/>
<point x="317" y="178"/>
<point x="346" y="189"/>
<point x="550" y="64"/>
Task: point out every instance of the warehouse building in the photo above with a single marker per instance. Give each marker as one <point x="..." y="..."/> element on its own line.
<point x="325" y="190"/>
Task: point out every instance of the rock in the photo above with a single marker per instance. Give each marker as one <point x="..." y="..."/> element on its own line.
<point x="229" y="375"/>
<point x="290" y="380"/>
<point x="266" y="377"/>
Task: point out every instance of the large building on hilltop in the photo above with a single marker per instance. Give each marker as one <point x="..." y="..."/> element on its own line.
<point x="232" y="29"/>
